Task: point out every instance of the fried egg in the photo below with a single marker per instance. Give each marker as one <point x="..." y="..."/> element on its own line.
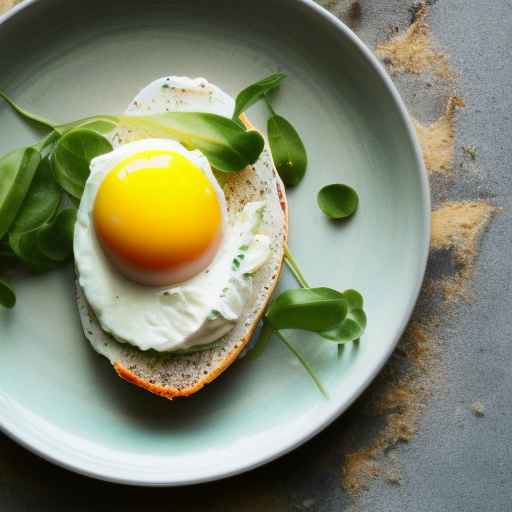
<point x="158" y="211"/>
<point x="163" y="262"/>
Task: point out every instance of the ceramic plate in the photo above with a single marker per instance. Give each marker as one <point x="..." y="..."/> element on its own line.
<point x="69" y="59"/>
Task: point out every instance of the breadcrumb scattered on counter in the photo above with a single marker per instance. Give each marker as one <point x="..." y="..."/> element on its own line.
<point x="478" y="409"/>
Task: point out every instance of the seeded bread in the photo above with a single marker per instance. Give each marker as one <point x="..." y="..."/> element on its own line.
<point x="171" y="375"/>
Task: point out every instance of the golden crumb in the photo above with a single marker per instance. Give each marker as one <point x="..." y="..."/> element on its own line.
<point x="458" y="226"/>
<point x="412" y="52"/>
<point x="5" y="5"/>
<point x="437" y="139"/>
<point x="393" y="477"/>
<point x="470" y="150"/>
<point x="353" y="16"/>
<point x="478" y="409"/>
<point x="358" y="469"/>
<point x="396" y="398"/>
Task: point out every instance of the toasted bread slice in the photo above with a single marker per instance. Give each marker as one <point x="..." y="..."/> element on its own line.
<point x="177" y="375"/>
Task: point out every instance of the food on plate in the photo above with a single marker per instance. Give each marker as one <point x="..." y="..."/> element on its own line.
<point x="167" y="260"/>
<point x="180" y="232"/>
<point x="338" y="201"/>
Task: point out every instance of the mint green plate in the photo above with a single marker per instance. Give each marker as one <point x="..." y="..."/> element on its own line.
<point x="69" y="59"/>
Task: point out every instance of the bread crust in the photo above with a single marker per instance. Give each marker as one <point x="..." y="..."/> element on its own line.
<point x="173" y="392"/>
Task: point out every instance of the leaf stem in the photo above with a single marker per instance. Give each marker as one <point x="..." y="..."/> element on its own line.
<point x="269" y="105"/>
<point x="304" y="363"/>
<point x="46" y="141"/>
<point x="27" y="115"/>
<point x="294" y="268"/>
<point x="61" y="129"/>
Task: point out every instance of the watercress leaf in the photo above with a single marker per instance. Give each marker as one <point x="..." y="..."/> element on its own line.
<point x="353" y="325"/>
<point x="55" y="239"/>
<point x="349" y="330"/>
<point x="26" y="247"/>
<point x="255" y="92"/>
<point x="337" y="201"/>
<point x="306" y="309"/>
<point x="29" y="116"/>
<point x="17" y="169"/>
<point x="6" y="252"/>
<point x="72" y="156"/>
<point x="100" y="125"/>
<point x="46" y="145"/>
<point x="288" y="151"/>
<point x="41" y="202"/>
<point x="227" y="146"/>
<point x="7" y="255"/>
<point x="354" y="299"/>
<point x="7" y="296"/>
<point x="327" y="293"/>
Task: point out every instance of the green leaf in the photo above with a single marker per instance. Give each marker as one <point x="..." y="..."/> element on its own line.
<point x="213" y="315"/>
<point x="26" y="247"/>
<point x="7" y="296"/>
<point x="46" y="145"/>
<point x="47" y="246"/>
<point x="6" y="252"/>
<point x="352" y="327"/>
<point x="55" y="239"/>
<point x="100" y="125"/>
<point x="308" y="309"/>
<point x="41" y="202"/>
<point x="354" y="299"/>
<point x="25" y="113"/>
<point x="73" y="155"/>
<point x="255" y="92"/>
<point x="17" y="169"/>
<point x="227" y="146"/>
<point x="337" y="201"/>
<point x="288" y="151"/>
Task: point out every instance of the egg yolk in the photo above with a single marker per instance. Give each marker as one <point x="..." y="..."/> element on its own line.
<point x="157" y="211"/>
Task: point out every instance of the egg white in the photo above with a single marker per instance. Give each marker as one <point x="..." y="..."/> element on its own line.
<point x="181" y="94"/>
<point x="102" y="165"/>
<point x="195" y="312"/>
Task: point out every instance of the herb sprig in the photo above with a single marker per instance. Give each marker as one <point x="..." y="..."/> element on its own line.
<point x="288" y="151"/>
<point x="335" y="316"/>
<point x="255" y="92"/>
<point x="331" y="315"/>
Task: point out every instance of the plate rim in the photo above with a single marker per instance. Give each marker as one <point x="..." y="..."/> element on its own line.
<point x="59" y="459"/>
